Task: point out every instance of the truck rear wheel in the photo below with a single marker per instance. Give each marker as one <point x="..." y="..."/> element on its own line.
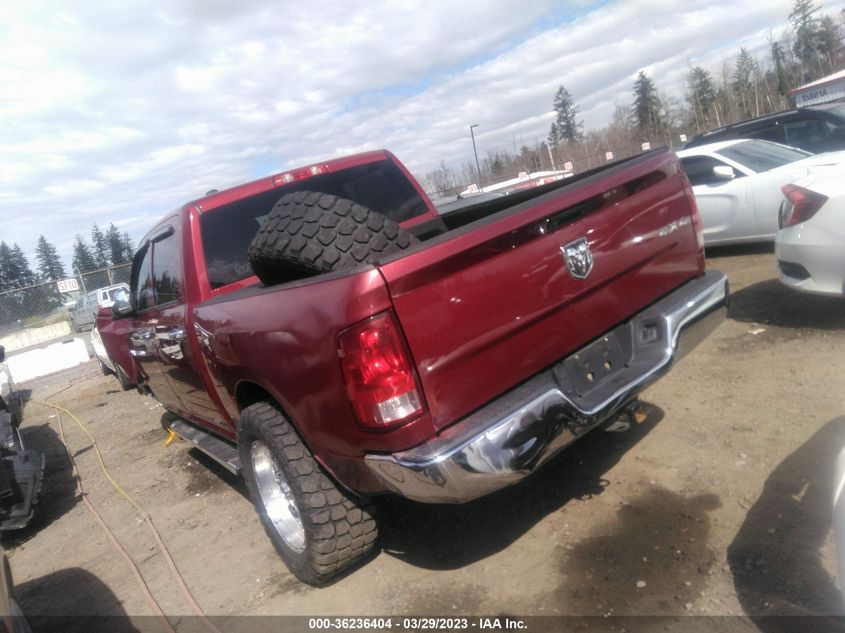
<point x="310" y="232"/>
<point x="318" y="529"/>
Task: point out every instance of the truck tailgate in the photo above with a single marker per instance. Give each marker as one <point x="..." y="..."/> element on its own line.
<point x="486" y="306"/>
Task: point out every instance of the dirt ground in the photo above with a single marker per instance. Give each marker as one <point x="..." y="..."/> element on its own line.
<point x="718" y="504"/>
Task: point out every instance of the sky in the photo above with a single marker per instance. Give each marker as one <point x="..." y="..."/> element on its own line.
<point x="121" y="111"/>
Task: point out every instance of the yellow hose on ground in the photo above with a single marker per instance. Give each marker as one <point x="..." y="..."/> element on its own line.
<point x="186" y="592"/>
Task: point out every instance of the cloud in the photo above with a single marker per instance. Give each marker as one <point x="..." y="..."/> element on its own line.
<point x="121" y="114"/>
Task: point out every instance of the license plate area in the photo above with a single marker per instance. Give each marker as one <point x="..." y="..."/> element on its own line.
<point x="596" y="372"/>
<point x="594" y="364"/>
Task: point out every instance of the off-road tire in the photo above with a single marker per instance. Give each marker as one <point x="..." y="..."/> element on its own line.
<point x="340" y="530"/>
<point x="309" y="232"/>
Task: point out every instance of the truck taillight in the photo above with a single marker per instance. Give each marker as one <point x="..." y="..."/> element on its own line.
<point x="801" y="205"/>
<point x="300" y="174"/>
<point x="380" y="378"/>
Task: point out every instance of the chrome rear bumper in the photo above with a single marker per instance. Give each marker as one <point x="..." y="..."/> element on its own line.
<point x="510" y="437"/>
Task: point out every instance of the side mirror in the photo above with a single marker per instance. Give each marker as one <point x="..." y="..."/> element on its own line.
<point x="724" y="172"/>
<point x="122" y="306"/>
<point x="2" y="353"/>
<point x="120" y="309"/>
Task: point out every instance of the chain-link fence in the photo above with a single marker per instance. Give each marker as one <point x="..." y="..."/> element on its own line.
<point x="41" y="312"/>
<point x="105" y="277"/>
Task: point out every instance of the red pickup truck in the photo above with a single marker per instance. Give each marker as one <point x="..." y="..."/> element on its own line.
<point x="331" y="337"/>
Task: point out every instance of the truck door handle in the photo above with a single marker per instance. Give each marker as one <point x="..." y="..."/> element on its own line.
<point x="176" y="334"/>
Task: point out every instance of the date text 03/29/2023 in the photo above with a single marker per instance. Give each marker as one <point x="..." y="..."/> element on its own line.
<point x="415" y="624"/>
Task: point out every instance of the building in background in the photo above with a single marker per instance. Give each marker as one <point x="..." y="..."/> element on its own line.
<point x="829" y="88"/>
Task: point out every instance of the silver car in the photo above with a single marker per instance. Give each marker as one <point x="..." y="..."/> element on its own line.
<point x="83" y="313"/>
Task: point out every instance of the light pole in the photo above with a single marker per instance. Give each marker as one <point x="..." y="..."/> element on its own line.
<point x="475" y="151"/>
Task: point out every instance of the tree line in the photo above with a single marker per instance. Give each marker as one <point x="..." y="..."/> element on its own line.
<point x="19" y="300"/>
<point x="106" y="249"/>
<point x="15" y="269"/>
<point x="746" y="86"/>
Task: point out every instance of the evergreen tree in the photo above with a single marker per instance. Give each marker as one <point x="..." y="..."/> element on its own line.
<point x="50" y="266"/>
<point x="742" y="84"/>
<point x="806" y="27"/>
<point x="129" y="245"/>
<point x="781" y="72"/>
<point x="83" y="258"/>
<point x="530" y="159"/>
<point x="7" y="274"/>
<point x="14" y="268"/>
<point x="827" y="43"/>
<point x="21" y="264"/>
<point x="568" y="127"/>
<point x="554" y="138"/>
<point x="496" y="165"/>
<point x="701" y="95"/>
<point x="116" y="247"/>
<point x="645" y="113"/>
<point x="99" y="247"/>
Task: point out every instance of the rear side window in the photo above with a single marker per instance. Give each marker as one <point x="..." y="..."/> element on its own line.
<point x="228" y="230"/>
<point x="810" y="134"/>
<point x="771" y="132"/>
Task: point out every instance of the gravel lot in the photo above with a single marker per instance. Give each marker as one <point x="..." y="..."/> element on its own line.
<point x="718" y="504"/>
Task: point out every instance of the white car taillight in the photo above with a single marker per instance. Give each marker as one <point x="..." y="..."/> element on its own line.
<point x="801" y="204"/>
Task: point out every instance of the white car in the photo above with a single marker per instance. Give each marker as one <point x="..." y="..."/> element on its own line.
<point x="107" y="365"/>
<point x="810" y="247"/>
<point x="737" y="185"/>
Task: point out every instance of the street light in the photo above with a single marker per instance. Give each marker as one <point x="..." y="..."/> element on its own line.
<point x="475" y="151"/>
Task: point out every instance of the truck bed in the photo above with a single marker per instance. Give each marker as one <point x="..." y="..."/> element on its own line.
<point x="486" y="306"/>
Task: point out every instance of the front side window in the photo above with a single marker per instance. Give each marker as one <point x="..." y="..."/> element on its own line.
<point x="167" y="272"/>
<point x="760" y="156"/>
<point x="144" y="295"/>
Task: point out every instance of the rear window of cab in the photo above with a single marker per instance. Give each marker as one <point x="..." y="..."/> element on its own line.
<point x="228" y="230"/>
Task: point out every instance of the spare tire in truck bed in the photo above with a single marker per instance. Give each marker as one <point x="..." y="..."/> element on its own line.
<point x="310" y="232"/>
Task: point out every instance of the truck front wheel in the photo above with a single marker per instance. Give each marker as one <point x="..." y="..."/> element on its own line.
<point x="318" y="529"/>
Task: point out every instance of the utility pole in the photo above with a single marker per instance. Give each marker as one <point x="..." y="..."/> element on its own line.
<point x="84" y="292"/>
<point x="475" y="151"/>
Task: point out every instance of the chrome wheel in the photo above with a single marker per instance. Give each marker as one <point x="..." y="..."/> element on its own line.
<point x="277" y="497"/>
